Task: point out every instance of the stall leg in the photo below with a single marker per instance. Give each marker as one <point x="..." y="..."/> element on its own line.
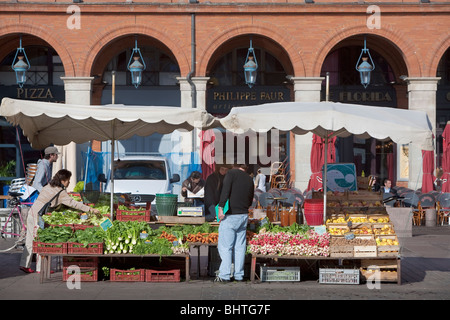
<point x="188" y="265"/>
<point x="253" y="269"/>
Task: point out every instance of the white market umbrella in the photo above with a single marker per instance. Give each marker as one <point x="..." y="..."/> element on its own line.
<point x="330" y="119"/>
<point x="45" y="123"/>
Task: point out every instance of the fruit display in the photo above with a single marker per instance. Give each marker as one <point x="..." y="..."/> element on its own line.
<point x="340" y="219"/>
<point x="375" y="219"/>
<point x="363" y="230"/>
<point x="386" y="229"/>
<point x="335" y="231"/>
<point x="386" y="241"/>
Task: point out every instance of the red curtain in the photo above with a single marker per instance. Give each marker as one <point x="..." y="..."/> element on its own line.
<point x="317" y="160"/>
<point x="207" y="152"/>
<point x="427" y="167"/>
<point x="446" y="159"/>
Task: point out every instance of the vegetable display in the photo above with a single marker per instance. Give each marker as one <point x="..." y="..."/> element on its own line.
<point x="298" y="240"/>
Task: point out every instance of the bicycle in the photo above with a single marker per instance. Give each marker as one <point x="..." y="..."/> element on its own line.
<point x="14" y="203"/>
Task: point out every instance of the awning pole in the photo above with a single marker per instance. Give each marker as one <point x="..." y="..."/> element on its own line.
<point x="324" y="180"/>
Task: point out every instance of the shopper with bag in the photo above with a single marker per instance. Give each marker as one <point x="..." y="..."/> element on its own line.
<point x="51" y="195"/>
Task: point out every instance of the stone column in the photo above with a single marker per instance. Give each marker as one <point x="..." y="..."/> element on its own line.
<point x="78" y="91"/>
<point x="421" y="96"/>
<point x="306" y="89"/>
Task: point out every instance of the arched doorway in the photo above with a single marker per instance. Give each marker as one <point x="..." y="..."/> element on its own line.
<point x="227" y="89"/>
<point x="386" y="89"/>
<point x="43" y="84"/>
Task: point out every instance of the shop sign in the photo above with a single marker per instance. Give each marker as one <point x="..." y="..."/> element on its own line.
<point x="36" y="93"/>
<point x="376" y="96"/>
<point x="220" y="100"/>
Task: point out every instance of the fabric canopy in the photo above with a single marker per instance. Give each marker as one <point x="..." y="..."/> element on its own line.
<point x="446" y="159"/>
<point x="400" y="125"/>
<point x="317" y="160"/>
<point x="331" y="119"/>
<point x="45" y="123"/>
<point x="427" y="167"/>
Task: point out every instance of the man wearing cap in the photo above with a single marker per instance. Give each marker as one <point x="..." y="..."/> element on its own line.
<point x="44" y="168"/>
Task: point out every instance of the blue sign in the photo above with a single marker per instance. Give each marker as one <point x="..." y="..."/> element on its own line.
<point x="341" y="177"/>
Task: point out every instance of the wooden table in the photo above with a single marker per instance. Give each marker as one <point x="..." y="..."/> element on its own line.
<point x="46" y="259"/>
<point x="317" y="258"/>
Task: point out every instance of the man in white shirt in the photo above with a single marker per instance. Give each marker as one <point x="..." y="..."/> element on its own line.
<point x="44" y="168"/>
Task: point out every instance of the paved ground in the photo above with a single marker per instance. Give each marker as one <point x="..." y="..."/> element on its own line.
<point x="425" y="276"/>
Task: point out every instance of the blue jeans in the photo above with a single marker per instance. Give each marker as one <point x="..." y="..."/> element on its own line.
<point x="232" y="245"/>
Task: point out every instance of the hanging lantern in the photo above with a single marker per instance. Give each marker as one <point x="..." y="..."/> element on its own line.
<point x="20" y="65"/>
<point x="135" y="66"/>
<point x="250" y="67"/>
<point x="364" y="67"/>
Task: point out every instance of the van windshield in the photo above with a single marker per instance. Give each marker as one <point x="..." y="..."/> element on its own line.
<point x="140" y="170"/>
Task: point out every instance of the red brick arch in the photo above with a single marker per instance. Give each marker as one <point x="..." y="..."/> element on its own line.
<point x="208" y="47"/>
<point x="50" y="37"/>
<point x="108" y="34"/>
<point x="406" y="50"/>
<point x="436" y="52"/>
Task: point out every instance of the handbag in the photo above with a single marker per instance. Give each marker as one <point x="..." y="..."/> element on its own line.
<point x="47" y="205"/>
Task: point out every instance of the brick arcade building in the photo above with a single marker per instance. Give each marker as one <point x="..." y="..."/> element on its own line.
<point x="195" y="50"/>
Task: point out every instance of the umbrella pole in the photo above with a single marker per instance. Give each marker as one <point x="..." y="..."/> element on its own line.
<point x="112" y="178"/>
<point x="324" y="180"/>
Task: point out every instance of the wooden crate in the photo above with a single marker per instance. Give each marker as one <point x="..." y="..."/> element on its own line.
<point x="365" y="251"/>
<point x="341" y="251"/>
<point x="369" y="250"/>
<point x="388" y="270"/>
<point x="388" y="250"/>
<point x="337" y="230"/>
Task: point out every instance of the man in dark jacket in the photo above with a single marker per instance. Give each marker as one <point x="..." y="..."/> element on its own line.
<point x="238" y="189"/>
<point x="213" y="188"/>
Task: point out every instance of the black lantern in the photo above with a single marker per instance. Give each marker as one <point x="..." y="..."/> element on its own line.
<point x="135" y="66"/>
<point x="250" y="67"/>
<point x="20" y="65"/>
<point x="364" y="67"/>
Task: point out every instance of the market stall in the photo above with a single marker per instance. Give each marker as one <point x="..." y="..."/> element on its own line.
<point x="46" y="123"/>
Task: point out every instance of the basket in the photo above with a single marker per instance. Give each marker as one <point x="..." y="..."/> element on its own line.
<point x="87" y="274"/>
<point x="313" y="210"/>
<point x="280" y="274"/>
<point x="166" y="204"/>
<point x="127" y="275"/>
<point x="79" y="248"/>
<point x="338" y="276"/>
<point x="44" y="247"/>
<point x="162" y="276"/>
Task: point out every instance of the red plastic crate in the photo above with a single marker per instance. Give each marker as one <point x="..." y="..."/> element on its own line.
<point x="162" y="276"/>
<point x="86" y="274"/>
<point x="133" y="215"/>
<point x="127" y="275"/>
<point x="44" y="247"/>
<point x="79" y="248"/>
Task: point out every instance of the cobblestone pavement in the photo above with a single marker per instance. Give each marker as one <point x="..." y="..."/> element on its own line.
<point x="425" y="276"/>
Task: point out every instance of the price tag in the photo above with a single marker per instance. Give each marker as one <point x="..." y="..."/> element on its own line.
<point x="106" y="224"/>
<point x="320" y="229"/>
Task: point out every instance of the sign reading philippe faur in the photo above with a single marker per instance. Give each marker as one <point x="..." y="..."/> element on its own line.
<point x="220" y="100"/>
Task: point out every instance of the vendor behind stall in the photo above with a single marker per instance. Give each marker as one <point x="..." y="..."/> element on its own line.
<point x="192" y="189"/>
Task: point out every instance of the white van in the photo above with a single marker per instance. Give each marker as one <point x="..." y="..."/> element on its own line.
<point x="142" y="177"/>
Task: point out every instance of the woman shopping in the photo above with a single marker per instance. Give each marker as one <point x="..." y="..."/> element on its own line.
<point x="55" y="192"/>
